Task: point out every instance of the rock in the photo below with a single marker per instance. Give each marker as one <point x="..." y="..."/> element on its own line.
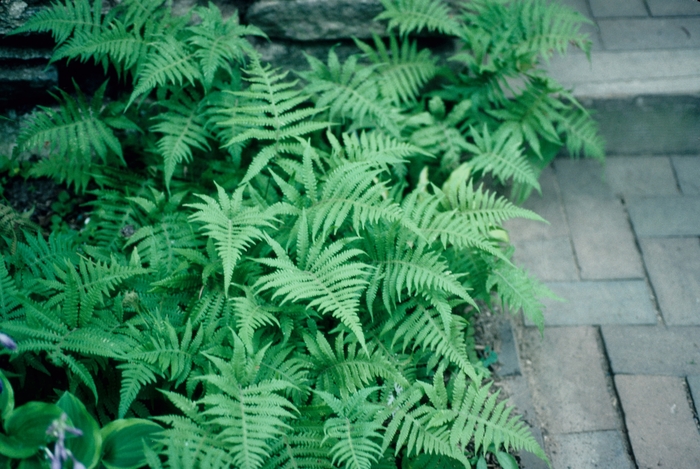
<point x="310" y="20"/>
<point x="25" y="82"/>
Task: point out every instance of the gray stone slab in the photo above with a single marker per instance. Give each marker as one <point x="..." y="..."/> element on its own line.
<point x="688" y="173"/>
<point x="666" y="216"/>
<point x="674" y="271"/>
<point x="650" y="33"/>
<point x="548" y="206"/>
<point x="613" y="8"/>
<point x="674" y="7"/>
<point x="591" y="450"/>
<point x="566" y="374"/>
<point x="631" y="74"/>
<point x="593" y="303"/>
<point x="645" y="176"/>
<point x="653" y="350"/>
<point x="507" y="352"/>
<point x="549" y="260"/>
<point x="603" y="241"/>
<point x="518" y="392"/>
<point x="660" y="422"/>
<point x="694" y="386"/>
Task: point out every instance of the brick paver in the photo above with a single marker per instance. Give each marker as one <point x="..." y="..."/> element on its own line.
<point x="659" y="421"/>
<point x="549" y="260"/>
<point x="650" y="33"/>
<point x="688" y="172"/>
<point x="622" y="8"/>
<point x="653" y="350"/>
<point x="674" y="271"/>
<point x="569" y="386"/>
<point x="642" y="176"/>
<point x="590" y="450"/>
<point x="602" y="238"/>
<point x="666" y="216"/>
<point x="611" y="302"/>
<point x="694" y="386"/>
<point x="673" y="7"/>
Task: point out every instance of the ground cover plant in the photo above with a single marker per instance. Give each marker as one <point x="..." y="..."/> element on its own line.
<point x="279" y="269"/>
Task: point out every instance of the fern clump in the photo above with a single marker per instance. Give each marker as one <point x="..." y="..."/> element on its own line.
<point x="283" y="268"/>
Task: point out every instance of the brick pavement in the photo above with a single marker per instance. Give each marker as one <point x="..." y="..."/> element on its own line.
<point x="615" y="381"/>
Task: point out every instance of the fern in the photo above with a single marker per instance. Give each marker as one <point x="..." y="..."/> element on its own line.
<point x="501" y="155"/>
<point x="350" y="91"/>
<point x="183" y="127"/>
<point x="325" y="276"/>
<point x="355" y="432"/>
<point x="272" y="110"/>
<point x="412" y="16"/>
<point x="73" y="135"/>
<point x="403" y="69"/>
<point x="519" y="291"/>
<point x="231" y="225"/>
<point x="63" y="19"/>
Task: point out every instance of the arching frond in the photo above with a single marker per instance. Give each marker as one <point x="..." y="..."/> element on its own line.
<point x="232" y="225"/>
<point x="74" y="134"/>
<point x="63" y="19"/>
<point x="351" y="92"/>
<point x="183" y="128"/>
<point x="327" y="276"/>
<point x="501" y="155"/>
<point x="403" y="69"/>
<point x="412" y="16"/>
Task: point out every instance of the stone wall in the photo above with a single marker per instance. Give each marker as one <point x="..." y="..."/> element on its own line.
<point x="293" y="26"/>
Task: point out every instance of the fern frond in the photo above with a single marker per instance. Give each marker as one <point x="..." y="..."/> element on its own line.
<point x="8" y="293"/>
<point x="219" y="42"/>
<point x="581" y="134"/>
<point x="114" y="44"/>
<point x="249" y="417"/>
<point x="353" y="188"/>
<point x="251" y="315"/>
<point x="74" y="134"/>
<point x="300" y="449"/>
<point x="350" y="91"/>
<point x="82" y="289"/>
<point x="327" y="277"/>
<point x="232" y="226"/>
<point x="419" y="326"/>
<point x="355" y="431"/>
<point x="183" y="127"/>
<point x="169" y="62"/>
<point x="63" y="19"/>
<point x="501" y="155"/>
<point x="403" y="69"/>
<point x="412" y="16"/>
<point x="135" y="375"/>
<point x="484" y="210"/>
<point x="517" y="290"/>
<point x="346" y="368"/>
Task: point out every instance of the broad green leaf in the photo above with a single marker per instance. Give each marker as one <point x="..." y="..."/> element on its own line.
<point x="26" y="429"/>
<point x="85" y="448"/>
<point x="7" y="397"/>
<point x="122" y="446"/>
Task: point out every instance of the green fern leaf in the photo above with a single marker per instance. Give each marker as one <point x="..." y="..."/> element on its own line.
<point x="183" y="127"/>
<point x="518" y="290"/>
<point x="502" y="156"/>
<point x="169" y="62"/>
<point x="231" y="225"/>
<point x="412" y="16"/>
<point x="219" y="42"/>
<point x="351" y="92"/>
<point x="72" y="134"/>
<point x="63" y="19"/>
<point x="327" y="277"/>
<point x="355" y="431"/>
<point x="403" y="69"/>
